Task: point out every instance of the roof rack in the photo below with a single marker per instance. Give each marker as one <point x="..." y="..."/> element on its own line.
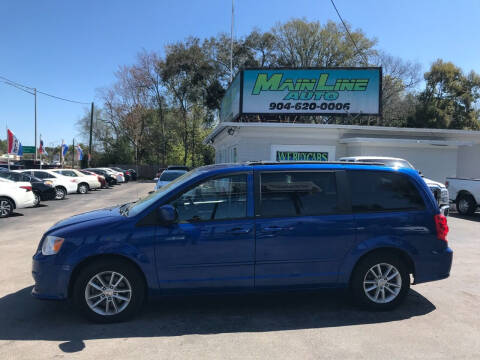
<point x="261" y="162"/>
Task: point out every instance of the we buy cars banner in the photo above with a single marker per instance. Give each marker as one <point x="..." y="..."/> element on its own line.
<point x="13" y="145"/>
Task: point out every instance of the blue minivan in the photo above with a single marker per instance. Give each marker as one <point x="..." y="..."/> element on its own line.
<point x="251" y="227"/>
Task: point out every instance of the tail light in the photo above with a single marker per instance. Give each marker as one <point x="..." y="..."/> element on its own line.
<point x="127" y="172"/>
<point x="441" y="226"/>
<point x="447" y="183"/>
<point x="28" y="188"/>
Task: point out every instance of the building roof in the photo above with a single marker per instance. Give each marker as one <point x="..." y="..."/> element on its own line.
<point x="406" y="132"/>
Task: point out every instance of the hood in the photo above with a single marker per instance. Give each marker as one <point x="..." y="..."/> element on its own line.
<point x="431" y="182"/>
<point x="102" y="215"/>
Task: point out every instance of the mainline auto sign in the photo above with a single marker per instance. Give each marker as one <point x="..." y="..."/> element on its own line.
<point x="326" y="91"/>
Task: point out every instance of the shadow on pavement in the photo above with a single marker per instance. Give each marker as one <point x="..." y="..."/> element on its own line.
<point x="14" y="214"/>
<point x="474" y="217"/>
<point x="24" y="318"/>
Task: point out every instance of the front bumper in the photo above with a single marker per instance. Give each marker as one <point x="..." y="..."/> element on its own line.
<point x="434" y="266"/>
<point x="51" y="280"/>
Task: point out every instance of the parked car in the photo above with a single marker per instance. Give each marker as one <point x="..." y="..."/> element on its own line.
<point x="42" y="191"/>
<point x="118" y="175"/>
<point x="100" y="178"/>
<point x="85" y="182"/>
<point x="14" y="195"/>
<point x="109" y="177"/>
<point x="133" y="174"/>
<point x="178" y="167"/>
<point x="126" y="173"/>
<point x="438" y="189"/>
<point x="251" y="227"/>
<point x="465" y="193"/>
<point x="167" y="176"/>
<point x="63" y="184"/>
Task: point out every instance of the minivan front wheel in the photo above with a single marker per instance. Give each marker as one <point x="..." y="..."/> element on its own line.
<point x="109" y="291"/>
<point x="380" y="282"/>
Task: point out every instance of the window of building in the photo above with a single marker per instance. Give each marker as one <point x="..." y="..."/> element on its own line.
<point x="284" y="194"/>
<point x="382" y="191"/>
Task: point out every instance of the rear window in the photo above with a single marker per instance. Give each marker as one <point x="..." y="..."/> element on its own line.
<point x="376" y="191"/>
<point x="284" y="194"/>
<point x="171" y="175"/>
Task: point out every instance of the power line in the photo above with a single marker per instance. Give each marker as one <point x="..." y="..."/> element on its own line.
<point x="349" y="35"/>
<point x="24" y="87"/>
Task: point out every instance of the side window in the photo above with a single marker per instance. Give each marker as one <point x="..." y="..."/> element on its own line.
<point x="373" y="191"/>
<point x="284" y="194"/>
<point x="215" y="199"/>
<point x="42" y="175"/>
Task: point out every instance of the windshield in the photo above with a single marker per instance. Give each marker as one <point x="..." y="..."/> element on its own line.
<point x="395" y="163"/>
<point x="170" y="175"/>
<point x="144" y="203"/>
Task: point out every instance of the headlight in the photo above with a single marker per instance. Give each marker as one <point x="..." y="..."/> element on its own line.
<point x="48" y="182"/>
<point x="445" y="196"/>
<point x="51" y="245"/>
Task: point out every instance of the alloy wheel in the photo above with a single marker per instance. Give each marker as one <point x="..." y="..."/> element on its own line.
<point x="108" y="293"/>
<point x="5" y="208"/>
<point x="382" y="283"/>
<point x="36" y="201"/>
<point x="463" y="206"/>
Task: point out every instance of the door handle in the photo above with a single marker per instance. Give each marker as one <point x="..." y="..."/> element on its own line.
<point x="273" y="228"/>
<point x="239" y="231"/>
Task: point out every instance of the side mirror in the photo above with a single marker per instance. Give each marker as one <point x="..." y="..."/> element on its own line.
<point x="167" y="215"/>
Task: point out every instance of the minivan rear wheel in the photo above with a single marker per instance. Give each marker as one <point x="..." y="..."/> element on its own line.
<point x="380" y="282"/>
<point x="109" y="291"/>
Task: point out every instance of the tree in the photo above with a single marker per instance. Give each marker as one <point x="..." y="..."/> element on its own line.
<point x="449" y="99"/>
<point x="299" y="43"/>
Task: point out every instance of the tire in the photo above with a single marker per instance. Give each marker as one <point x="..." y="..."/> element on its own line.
<point x="82" y="188"/>
<point x="37" y="200"/>
<point x="466" y="204"/>
<point x="103" y="270"/>
<point x="60" y="193"/>
<point x="394" y="290"/>
<point x="6" y="207"/>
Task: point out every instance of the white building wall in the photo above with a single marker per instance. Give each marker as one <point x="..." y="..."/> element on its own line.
<point x="435" y="162"/>
<point x="468" y="162"/>
<point x="256" y="142"/>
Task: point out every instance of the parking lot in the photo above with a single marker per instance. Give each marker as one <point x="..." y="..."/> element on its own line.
<point x="438" y="320"/>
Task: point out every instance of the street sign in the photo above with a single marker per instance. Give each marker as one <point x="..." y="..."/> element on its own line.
<point x="28" y="149"/>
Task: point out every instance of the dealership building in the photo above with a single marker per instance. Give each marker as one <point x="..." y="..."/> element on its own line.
<point x="252" y="127"/>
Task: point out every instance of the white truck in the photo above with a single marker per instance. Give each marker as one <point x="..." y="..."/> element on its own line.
<point x="465" y="193"/>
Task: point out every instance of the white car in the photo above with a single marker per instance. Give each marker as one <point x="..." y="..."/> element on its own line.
<point x="63" y="184"/>
<point x="15" y="195"/>
<point x="168" y="176"/>
<point x="85" y="182"/>
<point x="438" y="189"/>
<point x="118" y="175"/>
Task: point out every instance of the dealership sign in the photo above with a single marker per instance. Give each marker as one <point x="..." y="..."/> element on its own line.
<point x="326" y="91"/>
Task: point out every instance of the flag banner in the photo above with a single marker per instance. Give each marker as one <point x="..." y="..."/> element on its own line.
<point x="64" y="149"/>
<point x="79" y="153"/>
<point x="20" y="149"/>
<point x="12" y="143"/>
<point x="42" y="150"/>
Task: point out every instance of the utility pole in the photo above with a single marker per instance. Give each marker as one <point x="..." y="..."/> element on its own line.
<point x="91" y="130"/>
<point x="73" y="154"/>
<point x="231" y="48"/>
<point x="35" y="97"/>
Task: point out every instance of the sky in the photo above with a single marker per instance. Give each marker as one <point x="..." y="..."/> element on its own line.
<point x="72" y="48"/>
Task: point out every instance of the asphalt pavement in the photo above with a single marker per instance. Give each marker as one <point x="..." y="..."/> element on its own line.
<point x="439" y="320"/>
